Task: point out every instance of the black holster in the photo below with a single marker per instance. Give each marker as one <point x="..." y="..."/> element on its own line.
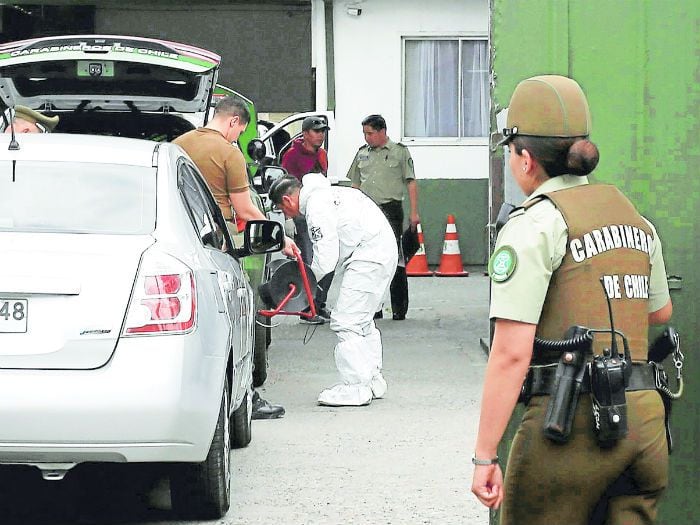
<point x="563" y="398"/>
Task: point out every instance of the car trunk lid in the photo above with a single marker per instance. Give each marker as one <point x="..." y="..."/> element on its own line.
<point x="109" y="73"/>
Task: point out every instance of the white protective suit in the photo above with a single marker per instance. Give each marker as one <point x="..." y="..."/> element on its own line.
<point x="351" y="236"/>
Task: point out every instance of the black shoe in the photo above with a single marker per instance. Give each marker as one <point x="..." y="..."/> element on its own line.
<point x="379" y="315"/>
<point x="316" y="319"/>
<point x="398" y="317"/>
<point x="322" y="312"/>
<point x="262" y="409"/>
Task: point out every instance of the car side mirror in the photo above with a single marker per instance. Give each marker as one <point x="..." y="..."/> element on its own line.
<point x="256" y="150"/>
<point x="262" y="236"/>
<point x="270" y="174"/>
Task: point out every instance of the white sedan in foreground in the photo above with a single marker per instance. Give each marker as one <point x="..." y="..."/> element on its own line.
<point x="126" y="322"/>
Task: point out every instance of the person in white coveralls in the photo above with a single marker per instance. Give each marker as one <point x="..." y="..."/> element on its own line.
<point x="351" y="237"/>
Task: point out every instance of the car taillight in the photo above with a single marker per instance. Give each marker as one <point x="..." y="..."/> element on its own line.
<point x="164" y="299"/>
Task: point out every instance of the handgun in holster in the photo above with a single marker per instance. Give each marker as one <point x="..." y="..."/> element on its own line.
<point x="564" y="395"/>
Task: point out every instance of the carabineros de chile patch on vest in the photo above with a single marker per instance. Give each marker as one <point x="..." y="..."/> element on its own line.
<point x="502" y="264"/>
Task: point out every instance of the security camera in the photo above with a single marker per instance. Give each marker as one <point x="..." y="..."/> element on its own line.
<point x="354" y="11"/>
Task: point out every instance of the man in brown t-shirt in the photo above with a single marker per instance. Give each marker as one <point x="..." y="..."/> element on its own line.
<point x="224" y="168"/>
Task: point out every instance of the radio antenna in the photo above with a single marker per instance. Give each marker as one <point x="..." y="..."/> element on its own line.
<point x="14" y="145"/>
<point x="613" y="344"/>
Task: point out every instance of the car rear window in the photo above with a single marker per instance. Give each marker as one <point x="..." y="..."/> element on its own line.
<point x="74" y="197"/>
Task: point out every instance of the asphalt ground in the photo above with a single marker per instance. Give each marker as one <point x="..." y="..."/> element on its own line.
<point x="404" y="459"/>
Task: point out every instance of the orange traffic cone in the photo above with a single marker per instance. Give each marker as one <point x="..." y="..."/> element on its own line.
<point x="418" y="265"/>
<point x="451" y="260"/>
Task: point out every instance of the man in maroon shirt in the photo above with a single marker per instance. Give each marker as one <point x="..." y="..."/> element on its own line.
<point x="306" y="155"/>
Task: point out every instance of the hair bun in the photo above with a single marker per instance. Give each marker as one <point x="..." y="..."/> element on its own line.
<point x="582" y="158"/>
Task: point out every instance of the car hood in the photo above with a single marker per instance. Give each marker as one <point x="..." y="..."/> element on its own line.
<point x="76" y="291"/>
<point x="109" y="73"/>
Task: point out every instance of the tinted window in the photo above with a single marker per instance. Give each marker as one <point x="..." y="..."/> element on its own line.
<point x="75" y="197"/>
<point x="201" y="208"/>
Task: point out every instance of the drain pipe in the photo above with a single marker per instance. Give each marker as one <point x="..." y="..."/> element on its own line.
<point x="318" y="53"/>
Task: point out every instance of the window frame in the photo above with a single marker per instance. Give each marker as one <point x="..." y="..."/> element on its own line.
<point x="444" y="141"/>
<point x="185" y="170"/>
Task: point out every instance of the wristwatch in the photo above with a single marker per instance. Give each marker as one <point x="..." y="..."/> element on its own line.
<point x="478" y="461"/>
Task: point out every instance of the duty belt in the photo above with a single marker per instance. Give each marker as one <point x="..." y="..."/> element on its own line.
<point x="539" y="380"/>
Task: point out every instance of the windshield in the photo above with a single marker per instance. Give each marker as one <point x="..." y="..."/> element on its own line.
<point x="74" y="197"/>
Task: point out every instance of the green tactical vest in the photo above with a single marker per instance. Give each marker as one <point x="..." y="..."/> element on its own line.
<point x="609" y="240"/>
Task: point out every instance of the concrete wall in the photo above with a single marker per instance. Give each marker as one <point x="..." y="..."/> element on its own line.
<point x="265" y="48"/>
<point x="368" y="79"/>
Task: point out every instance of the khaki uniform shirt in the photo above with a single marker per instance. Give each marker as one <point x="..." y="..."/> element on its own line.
<point x="538" y="238"/>
<point x="221" y="163"/>
<point x="382" y="173"/>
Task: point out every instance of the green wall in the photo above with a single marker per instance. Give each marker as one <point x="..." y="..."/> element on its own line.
<point x="639" y="63"/>
<point x="467" y="200"/>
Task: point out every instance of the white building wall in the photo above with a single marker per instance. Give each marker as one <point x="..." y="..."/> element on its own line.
<point x="368" y="78"/>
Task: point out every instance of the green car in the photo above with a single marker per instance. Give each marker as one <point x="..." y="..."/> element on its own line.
<point x="254" y="266"/>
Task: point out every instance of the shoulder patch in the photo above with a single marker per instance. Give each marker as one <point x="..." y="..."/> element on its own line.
<point x="502" y="264"/>
<point x="316" y="234"/>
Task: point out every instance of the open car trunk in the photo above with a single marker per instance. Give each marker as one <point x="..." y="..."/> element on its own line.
<point x="151" y="126"/>
<point x="111" y="85"/>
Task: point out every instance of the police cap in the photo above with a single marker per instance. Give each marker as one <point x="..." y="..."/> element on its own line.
<point x="44" y="122"/>
<point x="547" y="106"/>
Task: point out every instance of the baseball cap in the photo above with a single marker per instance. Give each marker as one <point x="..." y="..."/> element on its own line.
<point x="316" y="123"/>
<point x="547" y="106"/>
<point x="45" y="123"/>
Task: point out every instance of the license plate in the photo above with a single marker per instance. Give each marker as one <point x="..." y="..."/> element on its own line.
<point x="13" y="315"/>
<point x="95" y="68"/>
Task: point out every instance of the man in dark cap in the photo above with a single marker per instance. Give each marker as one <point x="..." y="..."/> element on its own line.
<point x="306" y="155"/>
<point x="26" y="120"/>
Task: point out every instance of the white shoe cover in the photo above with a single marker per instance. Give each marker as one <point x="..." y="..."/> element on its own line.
<point x="374" y="348"/>
<point x="378" y="386"/>
<point x="354" y="362"/>
<point x="346" y="395"/>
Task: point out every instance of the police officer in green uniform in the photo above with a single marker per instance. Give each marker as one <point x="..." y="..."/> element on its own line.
<point x="383" y="170"/>
<point x="550" y="259"/>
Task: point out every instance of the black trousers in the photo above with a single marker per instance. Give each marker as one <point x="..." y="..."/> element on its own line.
<point x="393" y="211"/>
<point x="307" y="251"/>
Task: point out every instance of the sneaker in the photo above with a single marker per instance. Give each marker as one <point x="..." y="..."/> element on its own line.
<point x="398" y="317"/>
<point x="263" y="409"/>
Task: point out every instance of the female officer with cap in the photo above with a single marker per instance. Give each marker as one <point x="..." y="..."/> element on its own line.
<point x="546" y="271"/>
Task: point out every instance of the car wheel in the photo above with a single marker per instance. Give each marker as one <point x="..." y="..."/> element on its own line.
<point x="240" y="423"/>
<point x="203" y="490"/>
<point x="260" y="352"/>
